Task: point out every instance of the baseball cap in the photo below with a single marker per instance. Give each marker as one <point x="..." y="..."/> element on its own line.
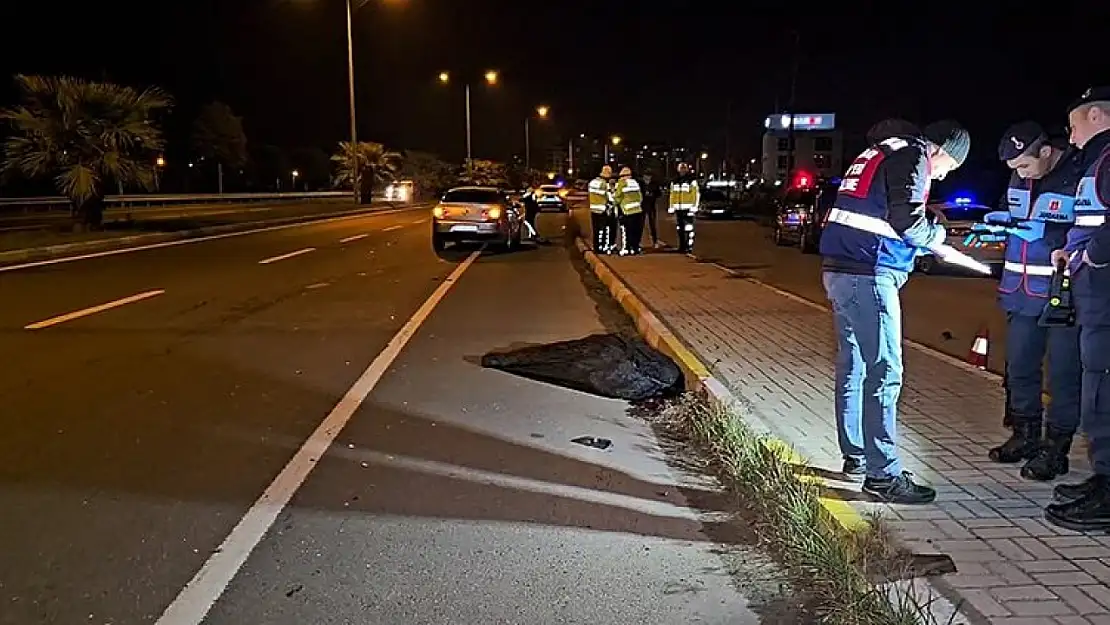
<point x="1019" y="139"/>
<point x="951" y="137"/>
<point x="1093" y="94"/>
<point x="892" y="127"/>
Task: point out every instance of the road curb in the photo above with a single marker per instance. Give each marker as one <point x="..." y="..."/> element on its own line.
<point x="101" y="245"/>
<point x="700" y="381"/>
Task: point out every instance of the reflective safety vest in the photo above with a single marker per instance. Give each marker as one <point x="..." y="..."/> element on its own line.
<point x="628" y="196"/>
<point x="1090" y="286"/>
<point x="1048" y="205"/>
<point x="599" y="191"/>
<point x="684" y="195"/>
<point x="857" y="234"/>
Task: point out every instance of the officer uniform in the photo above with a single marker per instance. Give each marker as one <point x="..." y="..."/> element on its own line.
<point x="684" y="199"/>
<point x="1039" y="213"/>
<point x="872" y="234"/>
<point x="600" y="195"/>
<point x="1086" y="506"/>
<point x="629" y="199"/>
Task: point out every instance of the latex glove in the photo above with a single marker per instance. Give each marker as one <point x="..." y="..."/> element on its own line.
<point x="939" y="236"/>
<point x="990" y="229"/>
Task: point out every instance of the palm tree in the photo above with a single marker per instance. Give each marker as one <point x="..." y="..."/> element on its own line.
<point x="83" y="134"/>
<point x="375" y="166"/>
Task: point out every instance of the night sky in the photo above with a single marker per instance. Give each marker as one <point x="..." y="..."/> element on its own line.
<point x="603" y="68"/>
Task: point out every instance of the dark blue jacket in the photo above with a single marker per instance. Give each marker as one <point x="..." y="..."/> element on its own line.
<point x="1090" y="233"/>
<point x="878" y="222"/>
<point x="1047" y="206"/>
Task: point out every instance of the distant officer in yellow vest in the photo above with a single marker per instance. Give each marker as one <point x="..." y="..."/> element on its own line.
<point x="684" y="199"/>
<point x="628" y="197"/>
<point x="600" y="192"/>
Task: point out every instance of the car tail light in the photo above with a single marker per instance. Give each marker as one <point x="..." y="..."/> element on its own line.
<point x="437" y="212"/>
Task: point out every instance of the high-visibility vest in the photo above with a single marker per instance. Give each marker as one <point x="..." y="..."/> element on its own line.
<point x="684" y="195"/>
<point x="599" y="194"/>
<point x="628" y="196"/>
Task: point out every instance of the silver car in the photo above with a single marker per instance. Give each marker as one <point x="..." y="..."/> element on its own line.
<point x="958" y="218"/>
<point x="466" y="214"/>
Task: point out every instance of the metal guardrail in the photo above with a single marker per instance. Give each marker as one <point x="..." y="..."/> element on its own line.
<point x="35" y="204"/>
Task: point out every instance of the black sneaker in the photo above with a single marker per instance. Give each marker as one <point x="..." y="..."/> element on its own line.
<point x="1071" y="492"/>
<point x="854" y="469"/>
<point x="1090" y="513"/>
<point x="900" y="489"/>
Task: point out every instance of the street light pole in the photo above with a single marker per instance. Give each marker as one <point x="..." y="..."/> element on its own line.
<point x="469" y="157"/>
<point x="527" y="145"/>
<point x="351" y="94"/>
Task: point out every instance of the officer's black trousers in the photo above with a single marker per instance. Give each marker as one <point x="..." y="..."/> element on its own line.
<point x="633" y="226"/>
<point x="684" y="220"/>
<point x="603" y="236"/>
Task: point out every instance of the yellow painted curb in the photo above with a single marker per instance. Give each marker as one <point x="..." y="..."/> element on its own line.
<point x="698" y="377"/>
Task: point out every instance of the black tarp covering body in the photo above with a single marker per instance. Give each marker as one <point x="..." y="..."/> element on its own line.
<point x="608" y="365"/>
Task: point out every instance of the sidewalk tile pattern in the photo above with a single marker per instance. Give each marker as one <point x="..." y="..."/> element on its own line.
<point x="776" y="354"/>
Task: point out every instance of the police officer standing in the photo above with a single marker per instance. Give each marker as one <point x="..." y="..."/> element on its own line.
<point x="629" y="200"/>
<point x="1040" y="211"/>
<point x="684" y="199"/>
<point x="1086" y="506"/>
<point x="650" y="190"/>
<point x="600" y="195"/>
<point x="878" y="224"/>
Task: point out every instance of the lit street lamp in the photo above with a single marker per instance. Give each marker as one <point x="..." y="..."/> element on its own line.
<point x="294" y="176"/>
<point x="542" y="111"/>
<point x="491" y="77"/>
<point x="615" y="140"/>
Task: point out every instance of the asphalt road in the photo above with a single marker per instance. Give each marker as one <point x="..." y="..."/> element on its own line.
<point x="40" y="219"/>
<point x="161" y="407"/>
<point x="941" y="311"/>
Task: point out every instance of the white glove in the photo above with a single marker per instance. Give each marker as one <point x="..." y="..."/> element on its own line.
<point x="939" y="236"/>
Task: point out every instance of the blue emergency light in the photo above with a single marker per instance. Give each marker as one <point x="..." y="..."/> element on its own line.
<point x="962" y="200"/>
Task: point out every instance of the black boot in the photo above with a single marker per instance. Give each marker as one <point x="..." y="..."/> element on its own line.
<point x="1051" y="460"/>
<point x="1090" y="513"/>
<point x="1071" y="492"/>
<point x="1022" y="444"/>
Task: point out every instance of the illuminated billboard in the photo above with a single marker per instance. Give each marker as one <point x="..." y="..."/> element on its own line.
<point x="809" y="121"/>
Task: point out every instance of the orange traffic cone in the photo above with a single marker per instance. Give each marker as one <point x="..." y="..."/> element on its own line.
<point x="980" y="347"/>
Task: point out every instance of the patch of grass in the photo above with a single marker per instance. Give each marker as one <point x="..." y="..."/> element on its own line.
<point x="844" y="573"/>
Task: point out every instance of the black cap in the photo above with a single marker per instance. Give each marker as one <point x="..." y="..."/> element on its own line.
<point x="951" y="137"/>
<point x="892" y="127"/>
<point x="1093" y="94"/>
<point x="1019" y="139"/>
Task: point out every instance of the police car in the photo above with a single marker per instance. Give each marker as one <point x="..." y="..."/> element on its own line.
<point x="551" y="198"/>
<point x="959" y="217"/>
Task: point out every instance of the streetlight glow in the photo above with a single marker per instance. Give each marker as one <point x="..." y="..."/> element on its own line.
<point x="296" y="173"/>
<point x="161" y="162"/>
<point x="444" y="77"/>
<point x="542" y="111"/>
<point x="704" y="155"/>
<point x="491" y="77"/>
<point x="616" y="139"/>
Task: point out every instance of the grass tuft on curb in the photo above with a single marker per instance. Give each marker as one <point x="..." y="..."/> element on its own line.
<point x="842" y="572"/>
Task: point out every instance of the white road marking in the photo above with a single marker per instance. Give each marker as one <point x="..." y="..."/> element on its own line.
<point x="354" y="238"/>
<point x="267" y="261"/>
<point x="391" y="228"/>
<point x="318" y="285"/>
<point x="418" y="221"/>
<point x="193" y="603"/>
<point x="211" y="237"/>
<point x="53" y="321"/>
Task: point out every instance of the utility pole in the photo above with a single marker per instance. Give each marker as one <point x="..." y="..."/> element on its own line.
<point x="790" y="108"/>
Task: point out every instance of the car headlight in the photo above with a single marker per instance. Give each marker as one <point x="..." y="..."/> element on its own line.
<point x="494" y="213"/>
<point x="437" y="212"/>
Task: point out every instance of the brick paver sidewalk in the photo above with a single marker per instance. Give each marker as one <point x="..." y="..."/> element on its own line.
<point x="776" y="351"/>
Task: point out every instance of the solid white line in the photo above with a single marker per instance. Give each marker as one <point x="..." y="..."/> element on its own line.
<point x="53" y="321"/>
<point x="354" y="238"/>
<point x="201" y="593"/>
<point x="267" y="261"/>
<point x="211" y="237"/>
<point x="391" y="228"/>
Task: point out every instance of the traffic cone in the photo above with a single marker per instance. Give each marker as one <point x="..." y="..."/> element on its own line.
<point x="980" y="347"/>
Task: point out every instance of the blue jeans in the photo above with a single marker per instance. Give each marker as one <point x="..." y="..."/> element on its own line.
<point x="1026" y="344"/>
<point x="867" y="314"/>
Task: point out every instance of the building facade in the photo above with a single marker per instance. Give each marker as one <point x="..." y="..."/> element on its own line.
<point x="818" y="147"/>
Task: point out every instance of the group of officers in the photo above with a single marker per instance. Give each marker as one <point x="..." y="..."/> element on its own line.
<point x="1054" y="222"/>
<point x="618" y="209"/>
